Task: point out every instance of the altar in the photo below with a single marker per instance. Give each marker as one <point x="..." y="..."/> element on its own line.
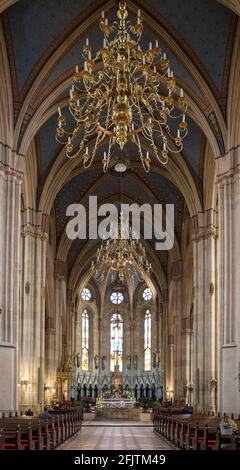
<point x="117" y="403"/>
<point x="117" y="408"/>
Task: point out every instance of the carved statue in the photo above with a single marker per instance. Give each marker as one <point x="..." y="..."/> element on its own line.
<point x="104" y="362"/>
<point x="68" y="363"/>
<point x="154" y="360"/>
<point x="135" y="362"/>
<point x="77" y="360"/>
<point x="129" y="360"/>
<point x="96" y="361"/>
<point x="158" y="358"/>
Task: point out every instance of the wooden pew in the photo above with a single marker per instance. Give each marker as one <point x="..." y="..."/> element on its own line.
<point x="10" y="438"/>
<point x="194" y="432"/>
<point x="28" y="429"/>
<point x="29" y="433"/>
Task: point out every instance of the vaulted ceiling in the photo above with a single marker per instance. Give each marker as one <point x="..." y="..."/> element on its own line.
<point x="45" y="39"/>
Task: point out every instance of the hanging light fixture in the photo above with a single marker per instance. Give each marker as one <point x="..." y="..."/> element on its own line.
<point x="123" y="94"/>
<point x="121" y="255"/>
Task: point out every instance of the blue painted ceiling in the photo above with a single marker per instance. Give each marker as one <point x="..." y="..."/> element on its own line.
<point x="71" y="193"/>
<point x="203" y="24"/>
<point x="35" y="24"/>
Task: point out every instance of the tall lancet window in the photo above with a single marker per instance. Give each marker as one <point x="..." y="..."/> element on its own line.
<point x="116" y="342"/>
<point x="147" y="340"/>
<point x="85" y="340"/>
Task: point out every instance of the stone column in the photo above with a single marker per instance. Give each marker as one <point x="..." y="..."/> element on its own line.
<point x="168" y="345"/>
<point x="186" y="334"/>
<point x="176" y="303"/>
<point x="68" y="323"/>
<point x="60" y="309"/>
<point x="204" y="315"/>
<point x="10" y="225"/>
<point x="229" y="281"/>
<point x="160" y="353"/>
<point x="32" y="331"/>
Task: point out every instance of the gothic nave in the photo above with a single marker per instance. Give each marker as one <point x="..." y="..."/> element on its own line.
<point x="74" y="331"/>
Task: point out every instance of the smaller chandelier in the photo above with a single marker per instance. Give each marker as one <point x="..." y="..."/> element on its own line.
<point x="123" y="256"/>
<point x="124" y="94"/>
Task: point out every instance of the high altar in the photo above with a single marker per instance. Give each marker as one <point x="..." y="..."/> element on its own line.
<point x="118" y="407"/>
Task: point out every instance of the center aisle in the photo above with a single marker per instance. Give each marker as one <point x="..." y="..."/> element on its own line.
<point x="116" y="435"/>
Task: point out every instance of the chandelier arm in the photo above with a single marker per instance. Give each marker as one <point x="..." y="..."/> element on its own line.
<point x="143" y="160"/>
<point x="162" y="159"/>
<point x="71" y="157"/>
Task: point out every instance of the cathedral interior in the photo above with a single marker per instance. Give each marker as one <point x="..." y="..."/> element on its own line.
<point x="172" y="334"/>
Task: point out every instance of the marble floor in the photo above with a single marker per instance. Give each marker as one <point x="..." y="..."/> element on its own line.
<point x="116" y="435"/>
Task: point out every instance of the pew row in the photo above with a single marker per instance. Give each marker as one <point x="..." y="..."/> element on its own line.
<point x="30" y="433"/>
<point x="194" y="432"/>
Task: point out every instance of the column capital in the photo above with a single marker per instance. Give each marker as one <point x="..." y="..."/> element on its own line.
<point x="205" y="233"/>
<point x="205" y="225"/>
<point x="33" y="231"/>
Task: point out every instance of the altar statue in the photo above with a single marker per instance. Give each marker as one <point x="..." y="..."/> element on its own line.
<point x="135" y="362"/>
<point x="158" y="359"/>
<point x="154" y="360"/>
<point x="96" y="361"/>
<point x="77" y="360"/>
<point x="104" y="359"/>
<point x="116" y="382"/>
<point x="128" y="359"/>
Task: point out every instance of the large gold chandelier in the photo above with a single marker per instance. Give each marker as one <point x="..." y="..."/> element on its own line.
<point x="123" y="94"/>
<point x="121" y="254"/>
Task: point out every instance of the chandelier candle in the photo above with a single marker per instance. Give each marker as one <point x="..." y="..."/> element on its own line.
<point x="132" y="96"/>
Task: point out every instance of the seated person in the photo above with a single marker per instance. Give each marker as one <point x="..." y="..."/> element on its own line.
<point x="227" y="429"/>
<point x="45" y="414"/>
<point x="29" y="412"/>
<point x="187" y="409"/>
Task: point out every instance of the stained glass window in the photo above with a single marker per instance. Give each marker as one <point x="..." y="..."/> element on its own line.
<point x="147" y="340"/>
<point x="116" y="298"/>
<point x="116" y="341"/>
<point x="86" y="294"/>
<point x="147" y="294"/>
<point x="85" y="340"/>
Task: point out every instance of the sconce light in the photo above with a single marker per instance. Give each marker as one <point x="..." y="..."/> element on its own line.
<point x="47" y="387"/>
<point x="24" y="382"/>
